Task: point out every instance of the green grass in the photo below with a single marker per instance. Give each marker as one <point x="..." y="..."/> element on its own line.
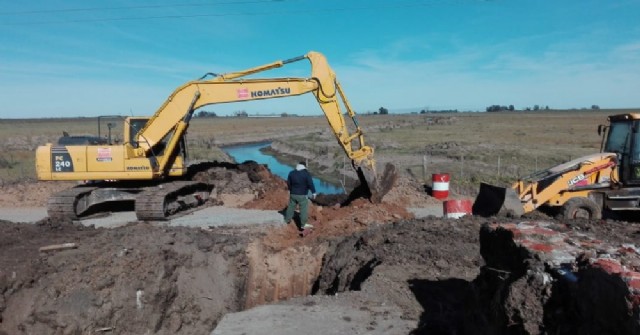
<point x="17" y="166"/>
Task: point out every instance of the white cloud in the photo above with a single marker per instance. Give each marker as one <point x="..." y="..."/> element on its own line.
<point x="560" y="80"/>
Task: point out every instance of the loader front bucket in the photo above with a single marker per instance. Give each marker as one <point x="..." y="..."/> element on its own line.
<point x="494" y="200"/>
<point x="373" y="187"/>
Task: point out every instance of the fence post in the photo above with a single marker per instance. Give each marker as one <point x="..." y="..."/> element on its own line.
<point x="424" y="169"/>
<point x="498" y="166"/>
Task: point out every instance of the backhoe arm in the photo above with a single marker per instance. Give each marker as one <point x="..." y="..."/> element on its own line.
<point x="174" y="115"/>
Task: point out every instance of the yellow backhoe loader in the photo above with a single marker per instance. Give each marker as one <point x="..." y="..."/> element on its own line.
<point x="581" y="188"/>
<point x="149" y="164"/>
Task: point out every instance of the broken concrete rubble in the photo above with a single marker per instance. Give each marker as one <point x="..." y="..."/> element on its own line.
<point x="568" y="281"/>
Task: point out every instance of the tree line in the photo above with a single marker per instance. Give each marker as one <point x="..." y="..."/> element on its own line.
<point x="511" y="108"/>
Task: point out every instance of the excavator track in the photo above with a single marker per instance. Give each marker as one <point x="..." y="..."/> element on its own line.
<point x="159" y="203"/>
<point x="69" y="204"/>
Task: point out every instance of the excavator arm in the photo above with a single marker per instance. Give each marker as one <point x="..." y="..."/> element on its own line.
<point x="174" y="115"/>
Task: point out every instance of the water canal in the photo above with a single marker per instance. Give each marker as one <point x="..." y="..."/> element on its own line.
<point x="245" y="152"/>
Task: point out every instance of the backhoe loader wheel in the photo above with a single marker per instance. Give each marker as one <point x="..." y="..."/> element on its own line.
<point x="581" y="208"/>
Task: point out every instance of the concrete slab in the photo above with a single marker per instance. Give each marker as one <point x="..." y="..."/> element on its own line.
<point x="315" y="318"/>
<point x="111" y="220"/>
<point x="423" y="212"/>
<point x="23" y="214"/>
<point x="222" y="216"/>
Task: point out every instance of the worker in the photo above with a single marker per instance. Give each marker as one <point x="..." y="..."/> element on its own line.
<point x="300" y="184"/>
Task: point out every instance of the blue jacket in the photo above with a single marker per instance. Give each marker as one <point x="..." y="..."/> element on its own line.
<point x="300" y="182"/>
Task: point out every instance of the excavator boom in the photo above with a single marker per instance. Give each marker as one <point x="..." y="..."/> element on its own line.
<point x="175" y="113"/>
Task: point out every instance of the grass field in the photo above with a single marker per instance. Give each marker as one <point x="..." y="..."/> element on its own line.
<point x="472" y="147"/>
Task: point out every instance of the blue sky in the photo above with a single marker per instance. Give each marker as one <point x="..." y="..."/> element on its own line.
<point x="89" y="58"/>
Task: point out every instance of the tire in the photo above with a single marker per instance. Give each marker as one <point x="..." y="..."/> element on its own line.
<point x="581" y="208"/>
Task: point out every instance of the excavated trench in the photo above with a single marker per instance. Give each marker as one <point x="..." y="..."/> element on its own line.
<point x="146" y="279"/>
<point x="141" y="278"/>
<point x="461" y="277"/>
<point x="445" y="276"/>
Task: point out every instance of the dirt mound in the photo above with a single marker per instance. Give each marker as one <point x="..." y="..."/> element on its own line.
<point x="235" y="185"/>
<point x="230" y="177"/>
<point x="411" y="193"/>
<point x="132" y="280"/>
<point x="415" y="251"/>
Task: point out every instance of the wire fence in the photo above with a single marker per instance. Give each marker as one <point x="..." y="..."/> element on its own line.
<point x="467" y="174"/>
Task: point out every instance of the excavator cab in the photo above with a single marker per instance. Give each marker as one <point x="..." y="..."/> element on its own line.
<point x="134" y="126"/>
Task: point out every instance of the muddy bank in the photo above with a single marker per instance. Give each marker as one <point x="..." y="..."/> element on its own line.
<point x="329" y="159"/>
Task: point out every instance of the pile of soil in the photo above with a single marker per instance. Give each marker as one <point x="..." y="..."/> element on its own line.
<point x="135" y="279"/>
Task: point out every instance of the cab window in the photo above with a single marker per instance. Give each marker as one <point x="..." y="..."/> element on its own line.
<point x="618" y="138"/>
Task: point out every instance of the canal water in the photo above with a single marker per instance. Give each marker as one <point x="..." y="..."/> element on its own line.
<point x="252" y="152"/>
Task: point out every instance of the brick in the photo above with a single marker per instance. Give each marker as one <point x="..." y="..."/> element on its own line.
<point x="608" y="265"/>
<point x="539" y="247"/>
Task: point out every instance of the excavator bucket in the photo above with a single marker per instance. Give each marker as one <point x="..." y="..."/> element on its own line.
<point x="493" y="200"/>
<point x="373" y="187"/>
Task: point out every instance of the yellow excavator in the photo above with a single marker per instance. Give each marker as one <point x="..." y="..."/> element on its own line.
<point x="581" y="188"/>
<point x="149" y="164"/>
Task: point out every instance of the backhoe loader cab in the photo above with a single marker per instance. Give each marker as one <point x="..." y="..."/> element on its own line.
<point x="623" y="138"/>
<point x="582" y="188"/>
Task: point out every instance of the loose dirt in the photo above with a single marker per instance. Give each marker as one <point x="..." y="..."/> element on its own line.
<point x="147" y="278"/>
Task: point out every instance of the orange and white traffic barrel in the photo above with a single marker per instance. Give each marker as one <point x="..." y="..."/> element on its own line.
<point x="440" y="185"/>
<point x="455" y="209"/>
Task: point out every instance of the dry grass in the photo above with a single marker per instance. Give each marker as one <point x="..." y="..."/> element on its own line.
<point x="20" y="138"/>
<point x="481" y="147"/>
<point x="473" y="147"/>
